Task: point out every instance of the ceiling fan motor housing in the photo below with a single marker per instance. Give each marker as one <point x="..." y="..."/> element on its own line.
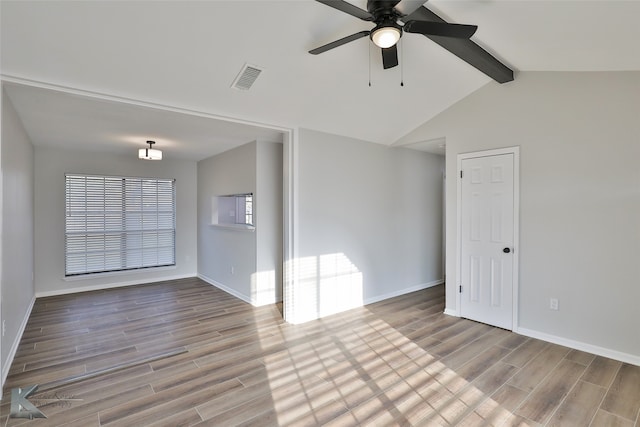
<point x="381" y="8"/>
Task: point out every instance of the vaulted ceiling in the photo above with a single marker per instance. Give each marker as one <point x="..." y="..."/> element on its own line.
<point x="116" y="73"/>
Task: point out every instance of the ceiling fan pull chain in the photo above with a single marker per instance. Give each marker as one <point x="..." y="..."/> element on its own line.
<point x="401" y="63"/>
<point x="369" y="47"/>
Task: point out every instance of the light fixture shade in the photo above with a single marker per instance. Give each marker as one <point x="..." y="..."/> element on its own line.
<point x="385" y="37"/>
<point x="149" y="154"/>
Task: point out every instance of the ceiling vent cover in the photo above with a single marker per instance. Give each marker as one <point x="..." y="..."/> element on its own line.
<point x="246" y="77"/>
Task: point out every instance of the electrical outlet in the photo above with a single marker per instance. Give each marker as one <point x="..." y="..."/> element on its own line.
<point x="553" y="303"/>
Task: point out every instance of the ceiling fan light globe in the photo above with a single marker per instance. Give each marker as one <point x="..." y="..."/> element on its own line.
<point x="385" y="37"/>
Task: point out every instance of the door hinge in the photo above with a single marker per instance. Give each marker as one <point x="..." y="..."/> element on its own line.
<point x="460" y="174"/>
<point x="460" y="289"/>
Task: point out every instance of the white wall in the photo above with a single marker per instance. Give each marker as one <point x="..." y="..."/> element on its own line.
<point x="221" y="250"/>
<point x="369" y="223"/>
<point x="579" y="135"/>
<point x="267" y="282"/>
<point x="16" y="288"/>
<point x="245" y="263"/>
<point x="51" y="166"/>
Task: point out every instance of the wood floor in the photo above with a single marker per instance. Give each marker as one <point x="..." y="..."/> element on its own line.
<point x="398" y="362"/>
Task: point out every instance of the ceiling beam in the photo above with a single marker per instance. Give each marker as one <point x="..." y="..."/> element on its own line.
<point x="466" y="49"/>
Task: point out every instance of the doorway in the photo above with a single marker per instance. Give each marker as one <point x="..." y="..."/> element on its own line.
<point x="488" y="236"/>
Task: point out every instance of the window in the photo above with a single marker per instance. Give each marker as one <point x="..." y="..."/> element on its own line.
<point x="118" y="223"/>
<point x="244" y="209"/>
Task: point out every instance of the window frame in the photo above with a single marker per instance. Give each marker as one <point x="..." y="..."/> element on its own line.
<point x="140" y="210"/>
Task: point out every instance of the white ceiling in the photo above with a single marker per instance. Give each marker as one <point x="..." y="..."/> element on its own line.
<point x="111" y="61"/>
<point x="66" y="120"/>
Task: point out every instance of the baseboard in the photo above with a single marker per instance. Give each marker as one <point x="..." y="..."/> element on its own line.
<point x="394" y="294"/>
<point x="140" y="281"/>
<point x="14" y="347"/>
<point x="227" y="289"/>
<point x="577" y="345"/>
<point x="450" y="312"/>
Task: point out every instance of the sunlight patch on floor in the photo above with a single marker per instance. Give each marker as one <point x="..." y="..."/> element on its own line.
<point x="359" y="373"/>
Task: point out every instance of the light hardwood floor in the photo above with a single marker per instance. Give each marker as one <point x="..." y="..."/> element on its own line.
<point x="397" y="362"/>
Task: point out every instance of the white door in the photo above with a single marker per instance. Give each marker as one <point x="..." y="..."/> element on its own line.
<point x="487" y="239"/>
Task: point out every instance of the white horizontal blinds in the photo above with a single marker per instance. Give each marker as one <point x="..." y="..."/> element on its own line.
<point x="149" y="222"/>
<point x="93" y="224"/>
<point x="118" y="223"/>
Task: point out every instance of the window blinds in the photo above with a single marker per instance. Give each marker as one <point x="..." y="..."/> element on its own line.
<point x="118" y="223"/>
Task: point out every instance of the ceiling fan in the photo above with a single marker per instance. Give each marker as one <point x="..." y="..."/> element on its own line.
<point x="392" y="18"/>
<point x="387" y="14"/>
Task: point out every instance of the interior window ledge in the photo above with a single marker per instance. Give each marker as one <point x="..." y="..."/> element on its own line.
<point x="239" y="227"/>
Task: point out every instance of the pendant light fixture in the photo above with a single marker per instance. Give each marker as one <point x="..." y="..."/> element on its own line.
<point x="150" y="153"/>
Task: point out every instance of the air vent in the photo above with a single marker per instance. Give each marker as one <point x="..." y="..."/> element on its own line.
<point x="246" y="77"/>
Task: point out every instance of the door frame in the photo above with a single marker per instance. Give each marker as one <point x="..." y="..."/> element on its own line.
<point x="516" y="223"/>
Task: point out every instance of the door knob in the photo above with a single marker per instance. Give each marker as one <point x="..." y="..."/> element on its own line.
<point x="506" y="250"/>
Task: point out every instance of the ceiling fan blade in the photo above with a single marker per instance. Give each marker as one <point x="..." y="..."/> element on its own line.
<point x="407" y="7"/>
<point x="444" y="29"/>
<point x="348" y="8"/>
<point x="390" y="57"/>
<point x="340" y="42"/>
<point x="467" y="50"/>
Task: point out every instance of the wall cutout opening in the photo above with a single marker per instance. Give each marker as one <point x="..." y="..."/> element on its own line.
<point x="233" y="211"/>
